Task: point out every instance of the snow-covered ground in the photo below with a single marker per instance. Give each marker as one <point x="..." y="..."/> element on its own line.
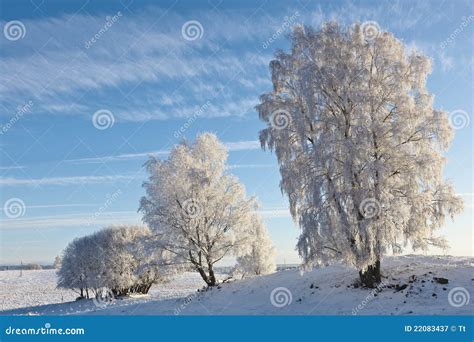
<point x="411" y="286"/>
<point x="30" y="288"/>
<point x="35" y="293"/>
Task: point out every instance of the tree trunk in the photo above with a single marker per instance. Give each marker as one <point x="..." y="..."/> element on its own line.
<point x="203" y="275"/>
<point x="212" y="276"/>
<point x="209" y="279"/>
<point x="147" y="288"/>
<point x="371" y="277"/>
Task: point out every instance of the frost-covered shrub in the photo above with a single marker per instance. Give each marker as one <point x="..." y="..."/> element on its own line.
<point x="112" y="258"/>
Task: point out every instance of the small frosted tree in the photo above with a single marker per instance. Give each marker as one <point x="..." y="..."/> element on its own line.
<point x="359" y="144"/>
<point x="75" y="271"/>
<point x="57" y="262"/>
<point x="200" y="213"/>
<point x="260" y="259"/>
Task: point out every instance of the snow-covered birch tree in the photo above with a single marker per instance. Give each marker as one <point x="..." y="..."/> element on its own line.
<point x="359" y="144"/>
<point x="198" y="211"/>
<point x="260" y="259"/>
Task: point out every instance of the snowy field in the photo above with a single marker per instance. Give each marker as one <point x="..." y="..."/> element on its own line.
<point x="30" y="288"/>
<point x="36" y="291"/>
<point x="412" y="286"/>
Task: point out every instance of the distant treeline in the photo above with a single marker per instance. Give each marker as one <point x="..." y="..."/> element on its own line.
<point x="26" y="267"/>
<point x="284" y="267"/>
<point x="223" y="269"/>
<point x="279" y="267"/>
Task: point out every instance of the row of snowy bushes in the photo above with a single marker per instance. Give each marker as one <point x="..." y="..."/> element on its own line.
<point x="113" y="259"/>
<point x="197" y="215"/>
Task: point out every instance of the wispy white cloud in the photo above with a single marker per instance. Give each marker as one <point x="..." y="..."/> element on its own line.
<point x="13" y="167"/>
<point x="275" y="212"/>
<point x="106" y="218"/>
<point x="249" y="166"/>
<point x="466" y="194"/>
<point x="220" y="105"/>
<point x="141" y="67"/>
<point x="129" y="62"/>
<point x="392" y="15"/>
<point x="245" y="145"/>
<point x="447" y="62"/>
<point x="72" y="205"/>
<point x="72" y="220"/>
<point x="63" y="181"/>
<point x="119" y="157"/>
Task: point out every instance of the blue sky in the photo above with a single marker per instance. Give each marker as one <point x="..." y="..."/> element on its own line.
<point x="155" y="81"/>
